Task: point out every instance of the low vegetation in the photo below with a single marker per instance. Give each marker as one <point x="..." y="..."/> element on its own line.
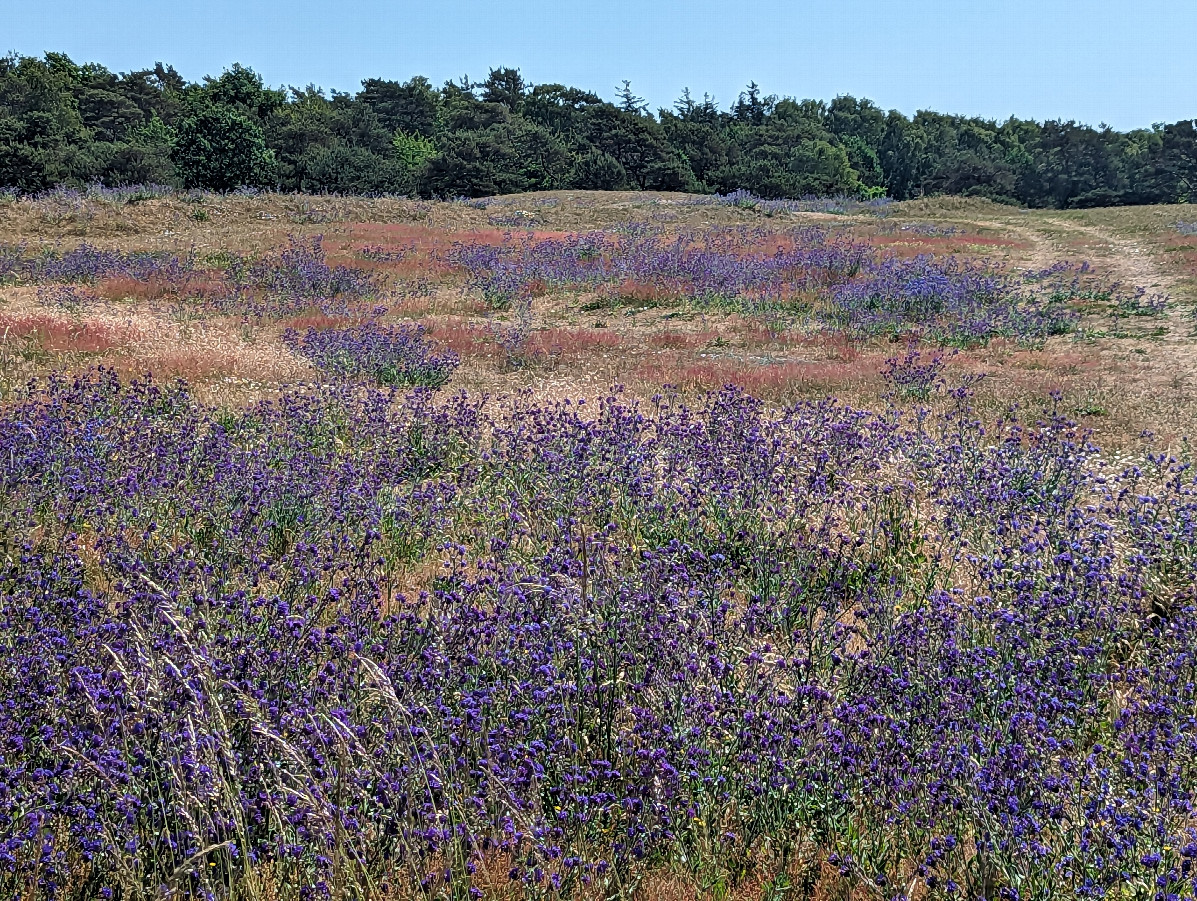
<point x="442" y="560"/>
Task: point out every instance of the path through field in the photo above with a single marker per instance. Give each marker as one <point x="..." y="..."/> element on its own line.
<point x="1146" y="367"/>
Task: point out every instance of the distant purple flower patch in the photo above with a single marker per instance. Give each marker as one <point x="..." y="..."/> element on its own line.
<point x="746" y="200"/>
<point x="67" y="298"/>
<point x="390" y="355"/>
<point x="841" y="284"/>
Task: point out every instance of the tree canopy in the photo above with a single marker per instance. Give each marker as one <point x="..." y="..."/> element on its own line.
<point x="63" y="122"/>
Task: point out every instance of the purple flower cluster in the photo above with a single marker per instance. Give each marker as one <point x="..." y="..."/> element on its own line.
<point x="914" y="375"/>
<point x="1065" y="282"/>
<point x="295" y="280"/>
<point x="89" y="264"/>
<point x="67" y="298"/>
<point x="840" y="283"/>
<point x="746" y="200"/>
<point x="515" y="219"/>
<point x="390" y="355"/>
<point x="356" y="641"/>
<point x="379" y="254"/>
<point x="301" y="270"/>
<point x="1186" y="228"/>
<point x="67" y="197"/>
<point x="920" y="229"/>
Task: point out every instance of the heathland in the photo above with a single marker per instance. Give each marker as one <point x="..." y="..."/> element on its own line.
<point x="583" y="544"/>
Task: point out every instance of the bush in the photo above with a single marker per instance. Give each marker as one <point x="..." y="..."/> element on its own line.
<point x="219" y="149"/>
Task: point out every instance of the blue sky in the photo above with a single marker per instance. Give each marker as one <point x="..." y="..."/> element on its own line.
<point x="1125" y="63"/>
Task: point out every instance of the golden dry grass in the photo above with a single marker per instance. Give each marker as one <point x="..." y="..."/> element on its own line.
<point x="1117" y="383"/>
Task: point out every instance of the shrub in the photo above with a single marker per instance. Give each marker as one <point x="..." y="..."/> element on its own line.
<point x="220" y="149"/>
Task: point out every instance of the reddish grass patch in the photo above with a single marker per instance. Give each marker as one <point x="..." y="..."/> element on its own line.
<point x="1061" y="363"/>
<point x="572" y="342"/>
<point x="754" y="334"/>
<point x="633" y="291"/>
<point x="423" y="238"/>
<point x="425" y="304"/>
<point x="318" y="321"/>
<point x="835" y="346"/>
<point x="191" y="365"/>
<point x="472" y="339"/>
<point x="905" y="244"/>
<point x="415" y="265"/>
<point x="418" y="251"/>
<point x="761" y="380"/>
<point x="1184" y="249"/>
<point x="56" y="335"/>
<point x="123" y="288"/>
<point x="196" y="285"/>
<point x="469" y="339"/>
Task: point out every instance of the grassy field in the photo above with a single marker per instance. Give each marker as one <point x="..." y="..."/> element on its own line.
<point x="1120" y="375"/>
<point x="585" y="545"/>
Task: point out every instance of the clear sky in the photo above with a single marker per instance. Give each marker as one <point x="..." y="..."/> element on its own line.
<point x="1128" y="63"/>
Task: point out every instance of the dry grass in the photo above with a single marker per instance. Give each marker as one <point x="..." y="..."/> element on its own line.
<point x="1118" y="384"/>
<point x="57" y="335"/>
<point x="772" y="381"/>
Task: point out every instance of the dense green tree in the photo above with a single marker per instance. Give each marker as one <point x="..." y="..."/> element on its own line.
<point x="847" y="117"/>
<point x="464" y="112"/>
<point x="705" y="146"/>
<point x="558" y="108"/>
<point x="903" y="156"/>
<point x="687" y="109"/>
<point x="145" y="158"/>
<point x="241" y="88"/>
<point x="865" y="161"/>
<point x="412" y="151"/>
<point x="811" y="167"/>
<point x="43" y="141"/>
<point x="412" y="107"/>
<point x="104" y="108"/>
<point x="751" y="108"/>
<point x="220" y="149"/>
<point x="639" y="145"/>
<point x="343" y="169"/>
<point x="629" y="102"/>
<point x="1079" y="166"/>
<point x="504" y="158"/>
<point x="505" y="86"/>
<point x="1168" y="165"/>
<point x="63" y="122"/>
<point x="598" y="171"/>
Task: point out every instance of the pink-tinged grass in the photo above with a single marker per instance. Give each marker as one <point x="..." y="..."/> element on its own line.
<point x="573" y="342"/>
<point x="762" y="380"/>
<point x="198" y="284"/>
<point x="638" y="292"/>
<point x="466" y="338"/>
<point x="678" y="340"/>
<point x="317" y="320"/>
<point x="419" y="305"/>
<point x="57" y="335"/>
<point x="909" y="245"/>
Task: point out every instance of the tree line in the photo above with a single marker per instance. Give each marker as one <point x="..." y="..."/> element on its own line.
<point x="63" y="122"/>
